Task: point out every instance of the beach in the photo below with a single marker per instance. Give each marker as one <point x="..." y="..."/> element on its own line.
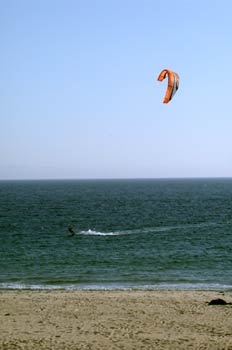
<point x="114" y="320"/>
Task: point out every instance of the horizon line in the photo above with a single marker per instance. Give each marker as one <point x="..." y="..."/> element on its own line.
<point x="118" y="178"/>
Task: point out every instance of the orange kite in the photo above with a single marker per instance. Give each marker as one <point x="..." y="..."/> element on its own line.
<point x="173" y="83"/>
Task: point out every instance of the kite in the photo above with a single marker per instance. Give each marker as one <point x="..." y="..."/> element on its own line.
<point x="173" y="83"/>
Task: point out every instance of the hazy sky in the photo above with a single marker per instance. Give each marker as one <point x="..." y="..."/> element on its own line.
<point x="79" y="96"/>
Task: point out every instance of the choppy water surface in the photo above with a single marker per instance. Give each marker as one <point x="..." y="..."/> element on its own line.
<point x="128" y="234"/>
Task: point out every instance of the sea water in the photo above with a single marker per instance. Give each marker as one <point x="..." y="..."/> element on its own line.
<point x="129" y="234"/>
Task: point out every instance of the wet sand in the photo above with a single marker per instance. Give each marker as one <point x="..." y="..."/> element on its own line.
<point x="114" y="320"/>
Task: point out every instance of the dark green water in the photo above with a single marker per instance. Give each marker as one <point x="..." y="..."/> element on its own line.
<point x="129" y="234"/>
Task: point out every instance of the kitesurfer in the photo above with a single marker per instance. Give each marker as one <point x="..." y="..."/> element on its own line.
<point x="71" y="230"/>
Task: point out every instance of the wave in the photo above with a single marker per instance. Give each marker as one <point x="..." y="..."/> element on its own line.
<point x="117" y="286"/>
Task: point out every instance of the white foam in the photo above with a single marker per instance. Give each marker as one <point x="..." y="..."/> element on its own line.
<point x="144" y="230"/>
<point x="116" y="286"/>
<point x="98" y="233"/>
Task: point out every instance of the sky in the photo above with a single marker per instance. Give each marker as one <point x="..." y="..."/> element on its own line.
<point x="79" y="96"/>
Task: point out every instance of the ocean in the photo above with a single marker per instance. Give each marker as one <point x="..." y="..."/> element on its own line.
<point x="129" y="234"/>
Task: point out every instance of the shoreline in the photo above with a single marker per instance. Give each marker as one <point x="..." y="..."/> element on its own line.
<point x="116" y="319"/>
<point x="127" y="287"/>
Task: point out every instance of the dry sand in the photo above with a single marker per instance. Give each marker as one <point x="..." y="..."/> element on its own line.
<point x="114" y="320"/>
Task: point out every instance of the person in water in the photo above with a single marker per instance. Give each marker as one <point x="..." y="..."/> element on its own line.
<point x="71" y="230"/>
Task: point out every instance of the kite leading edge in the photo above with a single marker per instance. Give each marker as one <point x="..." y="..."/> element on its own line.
<point x="173" y="83"/>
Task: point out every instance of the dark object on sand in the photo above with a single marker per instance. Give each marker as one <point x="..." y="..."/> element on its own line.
<point x="218" y="302"/>
<point x="71" y="230"/>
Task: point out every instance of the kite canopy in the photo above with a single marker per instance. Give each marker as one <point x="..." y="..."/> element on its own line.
<point x="173" y="83"/>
